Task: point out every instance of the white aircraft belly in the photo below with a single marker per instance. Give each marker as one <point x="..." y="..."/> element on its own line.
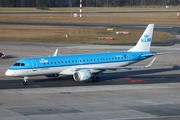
<point x="71" y="70"/>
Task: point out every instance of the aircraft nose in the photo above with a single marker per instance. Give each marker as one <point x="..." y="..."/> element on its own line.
<point x="9" y="73"/>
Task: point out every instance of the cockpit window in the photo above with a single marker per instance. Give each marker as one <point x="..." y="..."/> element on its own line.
<point x="22" y="64"/>
<point x="19" y="64"/>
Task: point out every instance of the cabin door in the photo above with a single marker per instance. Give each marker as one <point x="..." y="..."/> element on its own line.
<point x="34" y="65"/>
<point x="129" y="57"/>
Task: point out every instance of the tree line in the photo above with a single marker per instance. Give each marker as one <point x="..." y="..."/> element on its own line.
<point x="86" y="3"/>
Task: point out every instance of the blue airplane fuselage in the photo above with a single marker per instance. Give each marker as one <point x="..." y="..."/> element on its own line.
<point x="79" y="59"/>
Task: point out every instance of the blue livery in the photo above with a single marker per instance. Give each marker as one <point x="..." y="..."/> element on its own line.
<point x="84" y="67"/>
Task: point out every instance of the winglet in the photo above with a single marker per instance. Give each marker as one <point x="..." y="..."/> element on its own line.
<point x="151" y="63"/>
<point x="55" y="53"/>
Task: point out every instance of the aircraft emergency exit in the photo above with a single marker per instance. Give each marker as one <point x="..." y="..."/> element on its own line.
<point x="84" y="67"/>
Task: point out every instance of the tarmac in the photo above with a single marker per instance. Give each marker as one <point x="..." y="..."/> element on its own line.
<point x="140" y="94"/>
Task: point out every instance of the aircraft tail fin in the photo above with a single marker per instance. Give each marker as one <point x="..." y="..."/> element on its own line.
<point x="144" y="43"/>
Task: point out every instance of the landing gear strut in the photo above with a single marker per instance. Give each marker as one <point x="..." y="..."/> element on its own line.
<point x="95" y="79"/>
<point x="25" y="81"/>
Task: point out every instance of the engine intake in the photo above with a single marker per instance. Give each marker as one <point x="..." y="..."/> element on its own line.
<point x="82" y="75"/>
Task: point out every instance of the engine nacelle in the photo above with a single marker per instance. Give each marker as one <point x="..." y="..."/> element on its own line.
<point x="82" y="75"/>
<point x="52" y="75"/>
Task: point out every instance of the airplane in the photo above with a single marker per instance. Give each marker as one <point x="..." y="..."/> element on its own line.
<point x="84" y="67"/>
<point x="2" y="55"/>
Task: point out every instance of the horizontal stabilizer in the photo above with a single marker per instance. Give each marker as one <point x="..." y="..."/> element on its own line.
<point x="161" y="53"/>
<point x="149" y="55"/>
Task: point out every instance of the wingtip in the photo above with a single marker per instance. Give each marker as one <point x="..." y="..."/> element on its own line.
<point x="56" y="52"/>
<point x="151" y="63"/>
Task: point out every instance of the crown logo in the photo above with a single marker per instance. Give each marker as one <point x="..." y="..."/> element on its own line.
<point x="42" y="60"/>
<point x="146" y="36"/>
<point x="146" y="39"/>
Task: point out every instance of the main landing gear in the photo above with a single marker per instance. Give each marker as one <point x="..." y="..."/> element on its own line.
<point x="25" y="81"/>
<point x="95" y="79"/>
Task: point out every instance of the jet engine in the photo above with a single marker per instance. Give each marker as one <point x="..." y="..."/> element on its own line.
<point x="82" y="75"/>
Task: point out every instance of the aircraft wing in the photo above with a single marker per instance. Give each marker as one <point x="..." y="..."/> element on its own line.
<point x="115" y="68"/>
<point x="55" y="53"/>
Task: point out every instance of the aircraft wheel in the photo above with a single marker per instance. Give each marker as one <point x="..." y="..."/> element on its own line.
<point x="95" y="79"/>
<point x="25" y="82"/>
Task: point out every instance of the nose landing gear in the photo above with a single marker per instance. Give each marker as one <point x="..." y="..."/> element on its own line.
<point x="25" y="81"/>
